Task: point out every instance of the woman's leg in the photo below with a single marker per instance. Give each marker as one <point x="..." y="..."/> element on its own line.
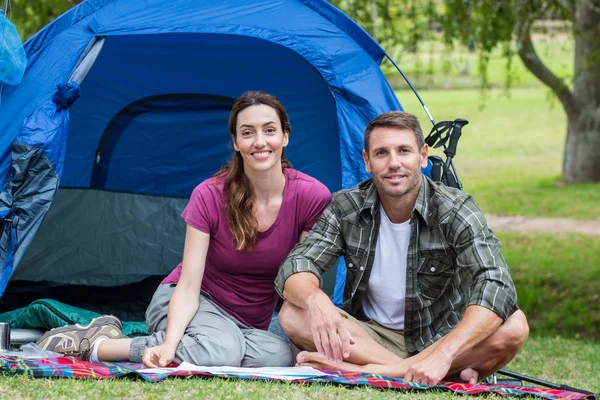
<point x="114" y="349"/>
<point x="212" y="338"/>
<point x="265" y="349"/>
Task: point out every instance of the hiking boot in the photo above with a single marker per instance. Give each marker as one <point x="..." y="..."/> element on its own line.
<point x="77" y="340"/>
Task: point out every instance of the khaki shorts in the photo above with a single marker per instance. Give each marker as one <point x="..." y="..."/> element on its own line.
<point x="390" y="339"/>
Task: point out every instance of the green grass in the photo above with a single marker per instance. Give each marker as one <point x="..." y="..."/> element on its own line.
<point x="558" y="281"/>
<point x="510" y="155"/>
<point x="555" y="360"/>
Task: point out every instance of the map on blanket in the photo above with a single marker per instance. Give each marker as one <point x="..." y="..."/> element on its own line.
<point x="283" y="373"/>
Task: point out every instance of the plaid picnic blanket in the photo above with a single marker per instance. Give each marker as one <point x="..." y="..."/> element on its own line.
<point x="71" y="367"/>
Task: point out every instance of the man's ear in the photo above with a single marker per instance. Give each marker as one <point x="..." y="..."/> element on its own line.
<point x="365" y="157"/>
<point x="424" y="155"/>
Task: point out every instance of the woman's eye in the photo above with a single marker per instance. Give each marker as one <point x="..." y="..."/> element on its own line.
<point x="246" y="133"/>
<point x="271" y="130"/>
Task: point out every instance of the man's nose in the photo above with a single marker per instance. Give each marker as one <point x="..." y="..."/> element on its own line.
<point x="394" y="161"/>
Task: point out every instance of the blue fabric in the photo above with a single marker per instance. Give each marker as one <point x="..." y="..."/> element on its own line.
<point x="12" y="55"/>
<point x="47" y="127"/>
<point x="339" y="69"/>
<point x="321" y="65"/>
<point x="7" y="266"/>
<point x="45" y="131"/>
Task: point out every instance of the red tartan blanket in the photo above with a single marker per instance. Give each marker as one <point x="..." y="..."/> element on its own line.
<point x="71" y="367"/>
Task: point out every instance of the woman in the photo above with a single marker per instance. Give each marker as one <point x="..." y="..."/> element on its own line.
<point x="216" y="306"/>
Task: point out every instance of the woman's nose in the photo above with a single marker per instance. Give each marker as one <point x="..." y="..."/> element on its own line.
<point x="260" y="140"/>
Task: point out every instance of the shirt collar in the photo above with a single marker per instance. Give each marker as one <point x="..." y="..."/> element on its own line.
<point x="371" y="199"/>
<point x="422" y="203"/>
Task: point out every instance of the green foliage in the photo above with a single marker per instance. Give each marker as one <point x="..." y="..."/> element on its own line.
<point x="401" y="26"/>
<point x="30" y="16"/>
<point x="481" y="26"/>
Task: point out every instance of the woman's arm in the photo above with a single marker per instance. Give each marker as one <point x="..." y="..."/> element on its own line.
<point x="186" y="297"/>
<point x="185" y="300"/>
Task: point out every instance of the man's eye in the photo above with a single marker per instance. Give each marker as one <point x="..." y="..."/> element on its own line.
<point x="380" y="153"/>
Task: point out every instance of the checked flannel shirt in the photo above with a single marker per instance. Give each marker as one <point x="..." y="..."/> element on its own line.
<point x="453" y="261"/>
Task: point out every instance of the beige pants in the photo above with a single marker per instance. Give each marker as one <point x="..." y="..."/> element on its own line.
<point x="388" y="338"/>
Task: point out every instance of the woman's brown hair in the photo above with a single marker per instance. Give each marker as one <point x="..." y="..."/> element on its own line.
<point x="240" y="195"/>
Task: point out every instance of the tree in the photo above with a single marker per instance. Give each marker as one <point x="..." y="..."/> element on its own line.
<point x="487" y="24"/>
<point x="29" y="16"/>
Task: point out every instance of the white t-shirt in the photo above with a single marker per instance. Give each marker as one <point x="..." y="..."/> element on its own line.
<point x="384" y="302"/>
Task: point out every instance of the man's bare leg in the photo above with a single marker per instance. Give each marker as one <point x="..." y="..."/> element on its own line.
<point x="487" y="357"/>
<point x="294" y="322"/>
<point x="496" y="351"/>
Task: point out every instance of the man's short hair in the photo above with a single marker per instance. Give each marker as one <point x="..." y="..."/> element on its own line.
<point x="395" y="119"/>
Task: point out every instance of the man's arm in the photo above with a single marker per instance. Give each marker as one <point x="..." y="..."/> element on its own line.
<point x="315" y="253"/>
<point x="299" y="283"/>
<point x="477" y="324"/>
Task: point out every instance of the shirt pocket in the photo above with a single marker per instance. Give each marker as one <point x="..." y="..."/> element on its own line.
<point x="354" y="271"/>
<point x="434" y="275"/>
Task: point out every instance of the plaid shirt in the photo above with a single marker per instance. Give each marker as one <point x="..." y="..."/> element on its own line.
<point x="453" y="259"/>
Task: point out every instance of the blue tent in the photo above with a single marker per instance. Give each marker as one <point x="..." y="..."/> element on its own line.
<point x="123" y="110"/>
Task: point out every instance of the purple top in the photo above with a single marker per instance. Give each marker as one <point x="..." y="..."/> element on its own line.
<point x="239" y="281"/>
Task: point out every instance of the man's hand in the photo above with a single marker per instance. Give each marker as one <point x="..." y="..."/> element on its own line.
<point x="430" y="370"/>
<point x="159" y="356"/>
<point x="330" y="336"/>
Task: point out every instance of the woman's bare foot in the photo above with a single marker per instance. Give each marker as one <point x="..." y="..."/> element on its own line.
<point x="469" y="375"/>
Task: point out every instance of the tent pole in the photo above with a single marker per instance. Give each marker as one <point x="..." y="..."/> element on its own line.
<point x="6" y="6"/>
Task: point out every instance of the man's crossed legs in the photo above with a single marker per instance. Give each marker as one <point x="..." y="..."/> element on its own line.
<point x="374" y="351"/>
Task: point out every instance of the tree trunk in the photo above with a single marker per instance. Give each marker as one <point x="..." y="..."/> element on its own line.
<point x="582" y="149"/>
<point x="581" y="162"/>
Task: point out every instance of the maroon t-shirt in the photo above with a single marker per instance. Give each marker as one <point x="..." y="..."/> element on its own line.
<point x="240" y="281"/>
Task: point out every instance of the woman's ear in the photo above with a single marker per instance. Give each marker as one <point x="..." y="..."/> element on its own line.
<point x="286" y="138"/>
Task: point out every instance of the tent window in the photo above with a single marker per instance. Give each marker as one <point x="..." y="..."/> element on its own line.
<point x="166" y="104"/>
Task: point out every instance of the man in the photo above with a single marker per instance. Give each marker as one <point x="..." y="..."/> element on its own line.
<point x="428" y="295"/>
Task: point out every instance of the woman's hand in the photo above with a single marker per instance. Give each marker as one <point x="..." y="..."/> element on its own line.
<point x="159" y="356"/>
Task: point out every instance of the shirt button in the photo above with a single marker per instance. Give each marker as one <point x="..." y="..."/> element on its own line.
<point x="350" y="265"/>
<point x="361" y="267"/>
<point x="432" y="269"/>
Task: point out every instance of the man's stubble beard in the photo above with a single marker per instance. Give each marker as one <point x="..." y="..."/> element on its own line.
<point x="415" y="179"/>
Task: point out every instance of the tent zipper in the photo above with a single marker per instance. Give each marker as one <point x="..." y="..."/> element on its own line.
<point x="55" y="311"/>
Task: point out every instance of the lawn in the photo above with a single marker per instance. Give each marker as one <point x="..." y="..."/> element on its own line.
<point x="558" y="282"/>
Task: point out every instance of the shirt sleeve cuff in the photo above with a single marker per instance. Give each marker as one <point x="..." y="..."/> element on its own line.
<point x="501" y="299"/>
<point x="292" y="267"/>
